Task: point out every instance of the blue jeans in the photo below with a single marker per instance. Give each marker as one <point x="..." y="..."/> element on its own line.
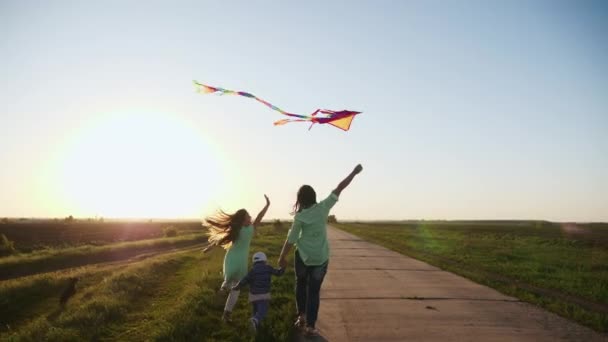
<point x="260" y="309"/>
<point x="308" y="288"/>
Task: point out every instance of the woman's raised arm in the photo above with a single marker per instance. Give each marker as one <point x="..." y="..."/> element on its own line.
<point x="260" y="216"/>
<point x="343" y="184"/>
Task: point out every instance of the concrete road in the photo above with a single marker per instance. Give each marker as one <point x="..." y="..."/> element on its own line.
<point x="373" y="294"/>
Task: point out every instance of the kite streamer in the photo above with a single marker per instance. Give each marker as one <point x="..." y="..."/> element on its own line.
<point x="341" y="119"/>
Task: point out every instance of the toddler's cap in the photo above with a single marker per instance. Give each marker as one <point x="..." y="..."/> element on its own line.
<point x="259" y="256"/>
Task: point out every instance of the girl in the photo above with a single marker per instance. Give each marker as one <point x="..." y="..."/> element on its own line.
<point x="234" y="233"/>
<point x="309" y="234"/>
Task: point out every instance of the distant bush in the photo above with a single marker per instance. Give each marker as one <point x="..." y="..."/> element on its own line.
<point x="69" y="219"/>
<point x="332" y="219"/>
<point x="7" y="247"/>
<point x="170" y="231"/>
<point x="278" y="225"/>
<point x="5" y="220"/>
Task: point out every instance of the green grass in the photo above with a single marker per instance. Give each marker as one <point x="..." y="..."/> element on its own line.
<point x="169" y="297"/>
<point x="58" y="258"/>
<point x="538" y="263"/>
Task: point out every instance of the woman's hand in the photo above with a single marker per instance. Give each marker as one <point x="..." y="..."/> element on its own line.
<point x="267" y="200"/>
<point x="282" y="262"/>
<point x="358" y="169"/>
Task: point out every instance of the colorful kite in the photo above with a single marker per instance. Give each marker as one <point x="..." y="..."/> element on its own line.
<point x="341" y="119"/>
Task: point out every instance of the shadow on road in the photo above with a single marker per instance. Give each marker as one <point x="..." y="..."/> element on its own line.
<point x="298" y="337"/>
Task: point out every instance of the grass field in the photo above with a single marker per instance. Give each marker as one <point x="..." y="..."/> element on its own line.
<point x="171" y="296"/>
<point x="30" y="235"/>
<point x="165" y="289"/>
<point x="563" y="268"/>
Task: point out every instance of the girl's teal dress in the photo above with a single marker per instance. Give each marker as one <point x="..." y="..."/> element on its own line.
<point x="237" y="256"/>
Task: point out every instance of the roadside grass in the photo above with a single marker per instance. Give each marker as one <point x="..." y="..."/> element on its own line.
<point x="25" y="298"/>
<point x="564" y="273"/>
<point x="197" y="314"/>
<point x="169" y="297"/>
<point x="59" y="258"/>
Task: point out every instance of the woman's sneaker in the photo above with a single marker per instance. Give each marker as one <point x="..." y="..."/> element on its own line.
<point x="311" y="332"/>
<point x="254" y="325"/>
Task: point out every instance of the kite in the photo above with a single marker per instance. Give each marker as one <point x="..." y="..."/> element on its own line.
<point x="341" y="119"/>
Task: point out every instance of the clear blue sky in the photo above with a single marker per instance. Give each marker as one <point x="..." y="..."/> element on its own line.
<point x="472" y="109"/>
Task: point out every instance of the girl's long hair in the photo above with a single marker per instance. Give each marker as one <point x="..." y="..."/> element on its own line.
<point x="224" y="228"/>
<point x="306" y="198"/>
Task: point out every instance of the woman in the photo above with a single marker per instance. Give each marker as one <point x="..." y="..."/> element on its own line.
<point x="233" y="232"/>
<point x="309" y="234"/>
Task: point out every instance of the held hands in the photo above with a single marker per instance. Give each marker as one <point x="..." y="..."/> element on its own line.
<point x="358" y="169"/>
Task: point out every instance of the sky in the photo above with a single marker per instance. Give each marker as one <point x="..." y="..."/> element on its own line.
<point x="471" y="109"/>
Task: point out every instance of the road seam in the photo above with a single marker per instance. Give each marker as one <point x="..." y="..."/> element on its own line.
<point x="424" y="299"/>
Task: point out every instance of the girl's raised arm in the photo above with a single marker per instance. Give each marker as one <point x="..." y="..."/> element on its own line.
<point x="260" y="216"/>
<point x="343" y="184"/>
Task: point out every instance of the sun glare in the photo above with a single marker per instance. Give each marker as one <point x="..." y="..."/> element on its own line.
<point x="139" y="165"/>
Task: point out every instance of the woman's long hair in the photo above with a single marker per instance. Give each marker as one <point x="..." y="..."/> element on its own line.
<point x="307" y="197"/>
<point x="224" y="228"/>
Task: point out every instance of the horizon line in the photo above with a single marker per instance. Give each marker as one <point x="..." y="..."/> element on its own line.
<point x="192" y="219"/>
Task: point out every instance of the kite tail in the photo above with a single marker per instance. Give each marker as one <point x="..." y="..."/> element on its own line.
<point x="204" y="89"/>
<point x="340" y="119"/>
<point x="284" y="121"/>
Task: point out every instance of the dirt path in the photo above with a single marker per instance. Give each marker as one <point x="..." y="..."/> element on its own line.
<point x="373" y="294"/>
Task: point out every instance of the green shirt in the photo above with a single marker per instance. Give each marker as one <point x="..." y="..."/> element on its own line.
<point x="237" y="256"/>
<point x="309" y="232"/>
